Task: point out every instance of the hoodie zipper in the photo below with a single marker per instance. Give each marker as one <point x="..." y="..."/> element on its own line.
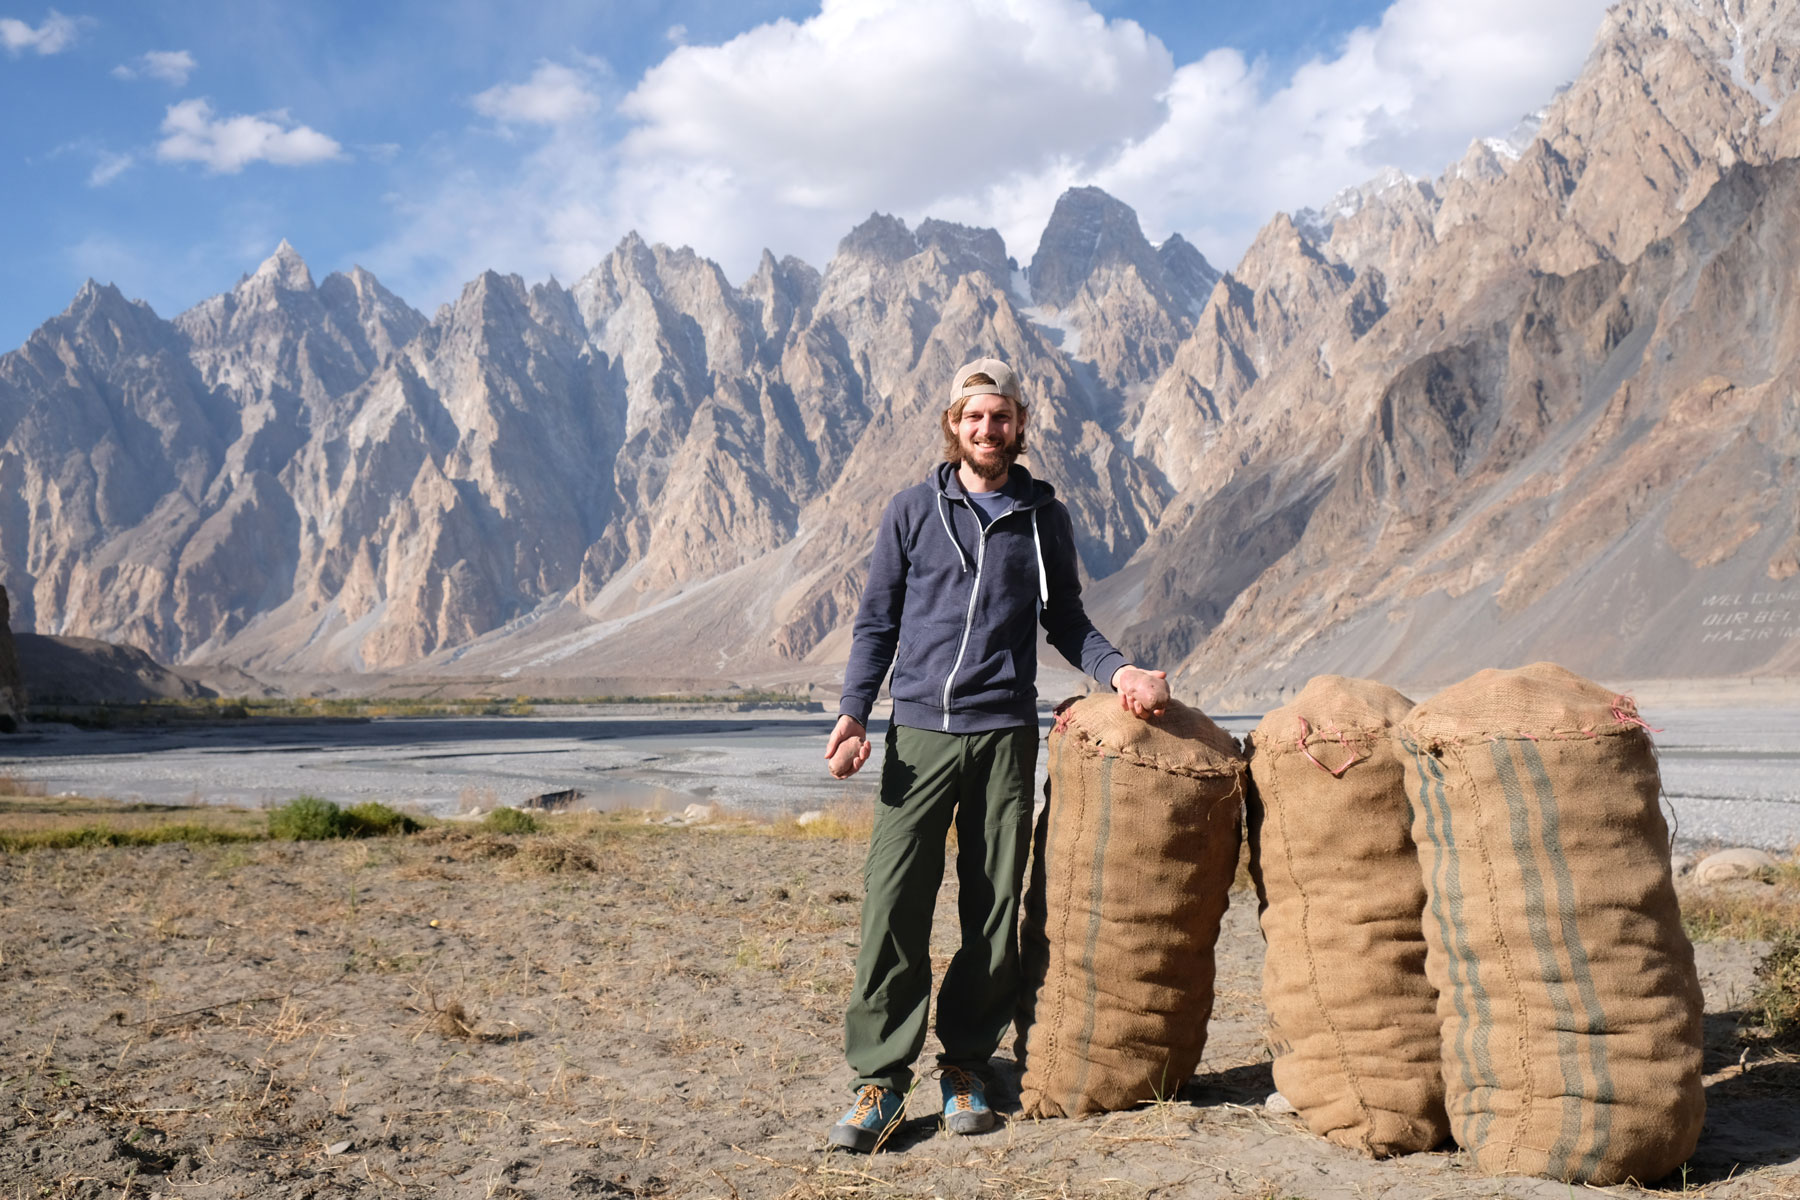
<point x="974" y="593"/>
<point x="968" y="621"/>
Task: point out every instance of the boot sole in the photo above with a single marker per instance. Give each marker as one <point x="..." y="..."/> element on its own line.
<point x="849" y="1137"/>
<point x="969" y="1122"/>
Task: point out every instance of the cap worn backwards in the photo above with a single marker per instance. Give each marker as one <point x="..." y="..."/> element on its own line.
<point x="1006" y="381"/>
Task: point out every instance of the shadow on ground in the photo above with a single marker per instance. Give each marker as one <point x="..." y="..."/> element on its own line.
<point x="1752" y="1105"/>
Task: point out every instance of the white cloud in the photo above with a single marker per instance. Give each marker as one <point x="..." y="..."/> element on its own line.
<point x="982" y="111"/>
<point x="169" y="66"/>
<point x="227" y="145"/>
<point x="790" y="133"/>
<point x="553" y="95"/>
<point x="676" y="34"/>
<point x="1411" y="92"/>
<point x="108" y="167"/>
<point x="55" y="35"/>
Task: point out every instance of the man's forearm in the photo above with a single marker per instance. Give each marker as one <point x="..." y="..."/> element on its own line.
<point x="870" y="658"/>
<point x="1087" y="648"/>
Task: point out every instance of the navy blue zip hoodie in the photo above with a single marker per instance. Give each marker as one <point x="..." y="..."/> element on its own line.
<point x="954" y="608"/>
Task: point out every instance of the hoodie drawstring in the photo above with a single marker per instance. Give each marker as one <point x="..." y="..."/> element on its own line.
<point x="1037" y="542"/>
<point x="944" y="515"/>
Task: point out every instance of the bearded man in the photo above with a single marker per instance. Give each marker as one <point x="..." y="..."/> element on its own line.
<point x="966" y="565"/>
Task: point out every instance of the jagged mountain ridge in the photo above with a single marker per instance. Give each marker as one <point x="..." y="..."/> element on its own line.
<point x="1439" y="431"/>
<point x="290" y="477"/>
<point x="1416" y="502"/>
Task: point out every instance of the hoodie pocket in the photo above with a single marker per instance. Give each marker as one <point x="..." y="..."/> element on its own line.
<point x="923" y="660"/>
<point x="994" y="677"/>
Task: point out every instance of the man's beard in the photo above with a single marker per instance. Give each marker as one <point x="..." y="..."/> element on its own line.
<point x="997" y="467"/>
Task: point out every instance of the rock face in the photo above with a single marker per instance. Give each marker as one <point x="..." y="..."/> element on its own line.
<point x="1538" y="407"/>
<point x="1122" y="304"/>
<point x="12" y="683"/>
<point x="74" y="670"/>
<point x="1528" y="410"/>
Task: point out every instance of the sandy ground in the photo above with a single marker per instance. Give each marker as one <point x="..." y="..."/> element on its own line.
<point x="639" y="1012"/>
<point x="1731" y="774"/>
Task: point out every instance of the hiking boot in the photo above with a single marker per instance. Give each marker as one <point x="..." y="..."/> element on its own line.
<point x="965" y="1102"/>
<point x="876" y="1110"/>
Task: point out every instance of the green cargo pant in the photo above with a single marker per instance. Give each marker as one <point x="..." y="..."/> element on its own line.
<point x="984" y="782"/>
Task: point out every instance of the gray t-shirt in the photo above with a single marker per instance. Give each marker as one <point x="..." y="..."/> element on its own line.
<point x="989" y="505"/>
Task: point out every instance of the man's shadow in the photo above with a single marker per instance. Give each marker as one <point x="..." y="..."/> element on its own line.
<point x="1246" y="1085"/>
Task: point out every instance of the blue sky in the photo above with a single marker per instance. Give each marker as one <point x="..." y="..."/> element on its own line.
<point x="168" y="146"/>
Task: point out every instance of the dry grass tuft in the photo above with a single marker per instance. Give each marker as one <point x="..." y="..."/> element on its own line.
<point x="453" y="1021"/>
<point x="551" y="853"/>
<point x="846" y="820"/>
<point x="492" y="845"/>
<point x="1751" y="909"/>
<point x="12" y="785"/>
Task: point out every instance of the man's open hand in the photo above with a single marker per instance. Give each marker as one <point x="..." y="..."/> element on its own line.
<point x="848" y="748"/>
<point x="1142" y="693"/>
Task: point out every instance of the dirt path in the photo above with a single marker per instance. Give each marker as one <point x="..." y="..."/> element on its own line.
<point x="640" y="1012"/>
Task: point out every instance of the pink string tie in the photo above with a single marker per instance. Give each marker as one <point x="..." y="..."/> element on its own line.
<point x="1306" y="730"/>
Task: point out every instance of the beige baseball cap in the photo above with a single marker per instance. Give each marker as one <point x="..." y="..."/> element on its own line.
<point x="1006" y="381"/>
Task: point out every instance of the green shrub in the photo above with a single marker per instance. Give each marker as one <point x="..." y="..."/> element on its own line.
<point x="373" y="819"/>
<point x="510" y="820"/>
<point x="308" y="819"/>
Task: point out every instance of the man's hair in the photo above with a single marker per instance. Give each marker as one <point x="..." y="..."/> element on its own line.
<point x="953" y="414"/>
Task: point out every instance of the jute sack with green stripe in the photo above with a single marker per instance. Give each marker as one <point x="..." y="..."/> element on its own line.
<point x="1571" y="1009"/>
<point x="1352" y="1017"/>
<point x="1136" y="850"/>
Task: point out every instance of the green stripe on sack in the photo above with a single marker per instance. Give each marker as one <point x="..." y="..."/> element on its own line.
<point x="1089" y="948"/>
<point x="1055" y="800"/>
<point x="1463" y="970"/>
<point x="1604" y="1096"/>
<point x="1538" y="921"/>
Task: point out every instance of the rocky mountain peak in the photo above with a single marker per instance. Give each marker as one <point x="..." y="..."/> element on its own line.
<point x="966" y="248"/>
<point x="635" y="259"/>
<point x="357" y="300"/>
<point x="490" y="303"/>
<point x="1279" y="245"/>
<point x="632" y="264"/>
<point x="95" y="297"/>
<point x="1390" y="187"/>
<point x="881" y="238"/>
<point x="100" y="317"/>
<point x="285" y="269"/>
<point x="783" y="293"/>
<point x="1088" y="230"/>
<point x="1189" y="276"/>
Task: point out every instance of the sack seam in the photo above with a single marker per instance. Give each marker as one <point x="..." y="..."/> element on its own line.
<point x="1522" y="1118"/>
<point x="1312" y="975"/>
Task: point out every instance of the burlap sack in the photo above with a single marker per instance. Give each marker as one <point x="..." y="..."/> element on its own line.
<point x="1571" y="1010"/>
<point x="1135" y="854"/>
<point x="1352" y="1018"/>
